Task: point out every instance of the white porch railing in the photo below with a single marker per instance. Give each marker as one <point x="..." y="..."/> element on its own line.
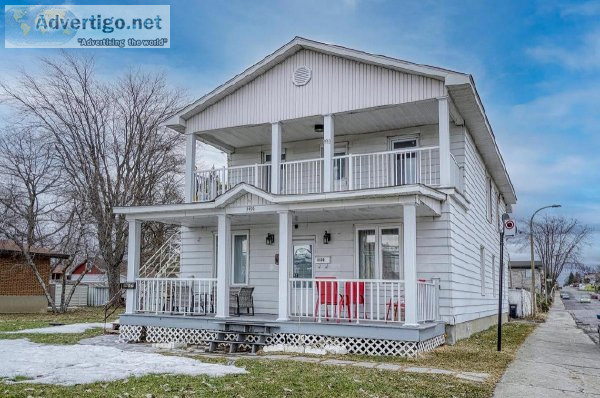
<point x="353" y="300"/>
<point x="212" y="183"/>
<point x="165" y="261"/>
<point x="177" y="296"/>
<point x="457" y="174"/>
<point x="427" y="302"/>
<point x="302" y="177"/>
<point x="386" y="169"/>
<point x="350" y="172"/>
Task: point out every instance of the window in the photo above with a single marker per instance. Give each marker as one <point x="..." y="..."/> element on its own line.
<point x="498" y="216"/>
<point x="379" y="253"/>
<point x="482" y="268"/>
<point x="494" y="292"/>
<point x="405" y="162"/>
<point x="340" y="165"/>
<point x="488" y="199"/>
<point x="239" y="256"/>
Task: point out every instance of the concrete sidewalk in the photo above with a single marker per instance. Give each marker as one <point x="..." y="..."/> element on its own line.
<point x="556" y="360"/>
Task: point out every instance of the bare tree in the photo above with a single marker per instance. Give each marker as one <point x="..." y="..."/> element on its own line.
<point x="108" y="138"/>
<point x="35" y="213"/>
<point x="558" y="242"/>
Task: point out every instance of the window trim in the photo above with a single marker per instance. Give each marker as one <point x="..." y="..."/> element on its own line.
<point x="403" y="138"/>
<point x="378" y="263"/>
<point x="488" y="198"/>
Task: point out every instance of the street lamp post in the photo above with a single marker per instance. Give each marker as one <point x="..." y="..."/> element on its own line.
<point x="533" y="301"/>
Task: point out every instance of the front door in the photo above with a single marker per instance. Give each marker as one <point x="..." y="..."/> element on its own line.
<point x="302" y="268"/>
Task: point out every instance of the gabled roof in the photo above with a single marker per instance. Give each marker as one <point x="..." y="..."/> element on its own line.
<point x="461" y="88"/>
<point x="8" y="246"/>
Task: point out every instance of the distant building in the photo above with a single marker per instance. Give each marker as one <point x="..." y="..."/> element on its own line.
<point x="520" y="275"/>
<point x="19" y="289"/>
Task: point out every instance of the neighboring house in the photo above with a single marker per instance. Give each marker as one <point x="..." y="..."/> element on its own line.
<point x="520" y="275"/>
<point x="360" y="205"/>
<point x="20" y="290"/>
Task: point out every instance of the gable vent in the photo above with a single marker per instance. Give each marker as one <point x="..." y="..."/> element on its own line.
<point x="301" y="76"/>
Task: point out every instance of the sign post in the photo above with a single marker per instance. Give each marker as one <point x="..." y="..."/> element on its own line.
<point x="509" y="228"/>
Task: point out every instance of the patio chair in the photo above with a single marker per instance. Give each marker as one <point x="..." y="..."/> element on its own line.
<point x="207" y="301"/>
<point x="327" y="295"/>
<point x="241" y="297"/>
<point x="354" y="294"/>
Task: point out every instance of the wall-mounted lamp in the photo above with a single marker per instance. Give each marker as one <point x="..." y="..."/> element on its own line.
<point x="319" y="128"/>
<point x="326" y="238"/>
<point x="270" y="239"/>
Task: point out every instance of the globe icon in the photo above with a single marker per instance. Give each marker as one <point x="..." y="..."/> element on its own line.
<point x="22" y="28"/>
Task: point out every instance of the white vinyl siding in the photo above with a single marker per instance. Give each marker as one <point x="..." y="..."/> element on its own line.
<point x="337" y="85"/>
<point x="494" y="288"/>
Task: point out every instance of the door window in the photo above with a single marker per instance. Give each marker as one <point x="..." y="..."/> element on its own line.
<point x="240" y="259"/>
<point x="366" y="253"/>
<point x="303" y="262"/>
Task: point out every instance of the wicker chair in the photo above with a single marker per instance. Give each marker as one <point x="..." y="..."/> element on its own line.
<point x="240" y="298"/>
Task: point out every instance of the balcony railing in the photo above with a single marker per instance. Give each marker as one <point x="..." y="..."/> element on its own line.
<point x="176" y="296"/>
<point x="350" y="172"/>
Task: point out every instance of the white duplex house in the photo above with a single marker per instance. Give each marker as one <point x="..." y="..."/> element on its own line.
<point x="360" y="207"/>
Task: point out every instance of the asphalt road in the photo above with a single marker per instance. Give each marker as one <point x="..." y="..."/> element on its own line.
<point x="583" y="313"/>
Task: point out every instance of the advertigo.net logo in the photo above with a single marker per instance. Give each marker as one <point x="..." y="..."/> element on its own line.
<point x="76" y="26"/>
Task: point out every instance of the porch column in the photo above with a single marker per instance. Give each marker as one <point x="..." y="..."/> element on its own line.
<point x="190" y="167"/>
<point x="223" y="265"/>
<point x="133" y="262"/>
<point x="444" y="142"/>
<point x="276" y="131"/>
<point x="328" y="150"/>
<point x="410" y="262"/>
<point x="285" y="262"/>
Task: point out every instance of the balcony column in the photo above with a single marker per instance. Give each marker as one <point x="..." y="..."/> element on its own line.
<point x="285" y="262"/>
<point x="133" y="262"/>
<point x="328" y="150"/>
<point x="409" y="213"/>
<point x="276" y="131"/>
<point x="223" y="265"/>
<point x="444" y="142"/>
<point x="190" y="167"/>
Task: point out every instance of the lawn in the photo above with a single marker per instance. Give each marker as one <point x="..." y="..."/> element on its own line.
<point x="14" y="322"/>
<point x="266" y="378"/>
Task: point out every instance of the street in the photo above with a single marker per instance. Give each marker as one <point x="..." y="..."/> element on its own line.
<point x="583" y="313"/>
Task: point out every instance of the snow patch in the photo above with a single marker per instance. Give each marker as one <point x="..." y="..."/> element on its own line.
<point x="63" y="329"/>
<point x="81" y="364"/>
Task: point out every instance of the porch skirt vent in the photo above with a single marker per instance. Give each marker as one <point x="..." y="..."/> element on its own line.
<point x="352" y="345"/>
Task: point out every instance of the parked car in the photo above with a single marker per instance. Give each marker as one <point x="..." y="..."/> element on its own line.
<point x="585" y="299"/>
<point x="565" y="295"/>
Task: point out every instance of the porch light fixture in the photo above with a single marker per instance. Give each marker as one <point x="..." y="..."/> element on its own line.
<point x="319" y="128"/>
<point x="326" y="238"/>
<point x="270" y="239"/>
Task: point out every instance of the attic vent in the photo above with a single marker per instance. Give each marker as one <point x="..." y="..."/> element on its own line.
<point x="301" y="76"/>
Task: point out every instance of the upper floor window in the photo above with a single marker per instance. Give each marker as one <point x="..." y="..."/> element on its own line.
<point x="488" y="198"/>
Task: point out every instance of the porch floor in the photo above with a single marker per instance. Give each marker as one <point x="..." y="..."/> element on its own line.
<point x="343" y="328"/>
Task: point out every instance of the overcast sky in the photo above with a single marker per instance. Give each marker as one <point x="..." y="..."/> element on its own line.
<point x="536" y="66"/>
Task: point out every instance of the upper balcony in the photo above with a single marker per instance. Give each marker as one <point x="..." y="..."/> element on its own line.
<point x="349" y="172"/>
<point x="399" y="145"/>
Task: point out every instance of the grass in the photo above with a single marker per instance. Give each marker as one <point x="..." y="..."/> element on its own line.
<point x="15" y="322"/>
<point x="282" y="378"/>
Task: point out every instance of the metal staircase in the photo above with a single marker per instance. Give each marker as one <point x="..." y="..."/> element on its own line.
<point x="164" y="263"/>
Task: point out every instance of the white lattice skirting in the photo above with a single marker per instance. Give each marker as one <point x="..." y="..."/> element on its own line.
<point x="353" y="345"/>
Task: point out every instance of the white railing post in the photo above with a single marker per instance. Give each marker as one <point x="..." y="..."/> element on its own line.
<point x="276" y="132"/>
<point x="444" y="139"/>
<point x="190" y="167"/>
<point x="285" y="262"/>
<point x="223" y="265"/>
<point x="328" y="150"/>
<point x="410" y="261"/>
<point x="350" y="172"/>
<point x="133" y="262"/>
<point x="256" y="177"/>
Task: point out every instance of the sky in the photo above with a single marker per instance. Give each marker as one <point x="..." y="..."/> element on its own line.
<point x="536" y="66"/>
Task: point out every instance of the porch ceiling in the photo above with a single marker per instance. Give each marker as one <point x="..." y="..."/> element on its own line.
<point x="355" y="122"/>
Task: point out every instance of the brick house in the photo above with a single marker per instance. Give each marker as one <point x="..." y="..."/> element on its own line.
<point x="19" y="289"/>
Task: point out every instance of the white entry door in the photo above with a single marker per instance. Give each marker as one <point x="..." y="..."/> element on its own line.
<point x="302" y="268"/>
